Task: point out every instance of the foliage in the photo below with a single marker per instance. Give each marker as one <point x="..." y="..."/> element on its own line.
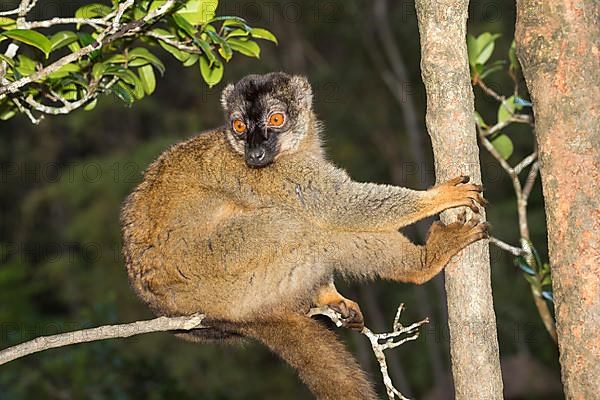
<point x="112" y="49"/>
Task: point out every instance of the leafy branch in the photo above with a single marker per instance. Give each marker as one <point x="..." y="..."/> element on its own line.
<point x="111" y="50"/>
<point x="500" y="146"/>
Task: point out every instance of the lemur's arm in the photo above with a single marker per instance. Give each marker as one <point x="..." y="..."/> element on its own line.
<point x="337" y="201"/>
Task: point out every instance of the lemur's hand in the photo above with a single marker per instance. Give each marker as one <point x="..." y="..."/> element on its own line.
<point x="458" y="192"/>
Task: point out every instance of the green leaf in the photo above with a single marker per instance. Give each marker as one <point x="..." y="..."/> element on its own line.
<point x="224" y="47"/>
<point x="259" y="33"/>
<point x="233" y="21"/>
<point x="175" y="52"/>
<point x="148" y="79"/>
<point x="479" y="120"/>
<point x="211" y="74"/>
<point x="87" y="39"/>
<point x="123" y="92"/>
<point x="210" y="55"/>
<point x="116" y="59"/>
<point x="238" y="33"/>
<point x="26" y="65"/>
<point x="506" y="109"/>
<point x="62" y="39"/>
<point x="7" y="60"/>
<point x="480" y="49"/>
<point x="93" y="10"/>
<point x="503" y="145"/>
<point x="490" y="69"/>
<point x="472" y="49"/>
<point x="143" y="53"/>
<point x="191" y="61"/>
<point x="485" y="44"/>
<point x="65" y="70"/>
<point x="74" y="47"/>
<point x="198" y="12"/>
<point x="247" y="48"/>
<point x="8" y="113"/>
<point x="91" y="105"/>
<point x="98" y="70"/>
<point x="31" y="38"/>
<point x="122" y="73"/>
<point x="185" y="25"/>
<point x="7" y="23"/>
<point x="547" y="280"/>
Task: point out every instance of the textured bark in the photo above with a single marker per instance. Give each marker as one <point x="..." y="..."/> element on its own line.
<point x="557" y="44"/>
<point x="471" y="319"/>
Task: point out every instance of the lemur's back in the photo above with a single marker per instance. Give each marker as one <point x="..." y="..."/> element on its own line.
<point x="167" y="221"/>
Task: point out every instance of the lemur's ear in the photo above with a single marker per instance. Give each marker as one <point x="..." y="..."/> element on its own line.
<point x="225" y="95"/>
<point x="302" y="88"/>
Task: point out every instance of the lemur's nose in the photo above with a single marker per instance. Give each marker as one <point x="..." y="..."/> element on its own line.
<point x="256" y="154"/>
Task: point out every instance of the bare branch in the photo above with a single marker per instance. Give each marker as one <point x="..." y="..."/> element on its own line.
<point x="530" y="180"/>
<point x="381" y="342"/>
<point x="525" y="162"/>
<point x="179" y="45"/>
<point x="42" y="343"/>
<point x="94" y="22"/>
<point x="489" y="91"/>
<point x="515" y="251"/>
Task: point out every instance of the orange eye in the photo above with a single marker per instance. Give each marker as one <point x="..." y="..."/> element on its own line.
<point x="276" y="119"/>
<point x="239" y="126"/>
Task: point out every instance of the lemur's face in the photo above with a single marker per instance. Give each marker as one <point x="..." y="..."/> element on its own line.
<point x="266" y="116"/>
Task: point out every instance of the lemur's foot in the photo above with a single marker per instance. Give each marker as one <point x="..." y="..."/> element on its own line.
<point x="446" y="241"/>
<point x="352" y="317"/>
<point x="350" y="311"/>
<point x="458" y="192"/>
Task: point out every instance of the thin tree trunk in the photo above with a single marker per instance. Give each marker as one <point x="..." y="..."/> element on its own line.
<point x="557" y="44"/>
<point x="451" y="126"/>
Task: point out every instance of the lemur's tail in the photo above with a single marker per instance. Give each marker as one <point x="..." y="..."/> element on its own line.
<point x="321" y="360"/>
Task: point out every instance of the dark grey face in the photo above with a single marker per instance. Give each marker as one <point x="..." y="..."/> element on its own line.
<point x="266" y="115"/>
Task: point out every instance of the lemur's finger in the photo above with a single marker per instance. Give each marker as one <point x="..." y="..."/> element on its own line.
<point x="462" y="218"/>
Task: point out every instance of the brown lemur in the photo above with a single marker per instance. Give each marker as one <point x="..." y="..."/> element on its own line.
<point x="249" y="222"/>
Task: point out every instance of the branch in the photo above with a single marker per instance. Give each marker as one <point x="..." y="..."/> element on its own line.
<point x="105" y="37"/>
<point x="379" y="341"/>
<point x="42" y="343"/>
<point x="515" y="251"/>
<point x="94" y="22"/>
<point x="21" y="10"/>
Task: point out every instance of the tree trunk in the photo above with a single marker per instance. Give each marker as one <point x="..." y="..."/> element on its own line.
<point x="557" y="44"/>
<point x="451" y="125"/>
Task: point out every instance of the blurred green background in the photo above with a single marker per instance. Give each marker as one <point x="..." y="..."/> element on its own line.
<point x="62" y="184"/>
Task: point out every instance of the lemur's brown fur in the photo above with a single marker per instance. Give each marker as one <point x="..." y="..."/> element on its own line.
<point x="254" y="248"/>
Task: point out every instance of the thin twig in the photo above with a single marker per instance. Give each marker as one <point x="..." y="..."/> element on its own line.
<point x="515" y="251"/>
<point x="381" y="342"/>
<point x="522" y="195"/>
<point x="101" y="333"/>
<point x="179" y="45"/>
<point x="525" y="162"/>
<point x="530" y="180"/>
<point x="94" y="22"/>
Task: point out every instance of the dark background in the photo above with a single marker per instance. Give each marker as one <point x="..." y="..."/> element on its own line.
<point x="62" y="184"/>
